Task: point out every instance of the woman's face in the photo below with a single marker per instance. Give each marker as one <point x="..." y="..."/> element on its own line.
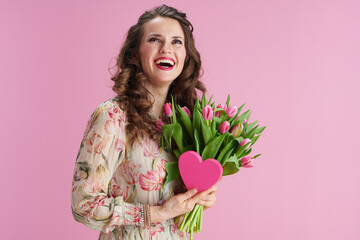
<point x="162" y="50"/>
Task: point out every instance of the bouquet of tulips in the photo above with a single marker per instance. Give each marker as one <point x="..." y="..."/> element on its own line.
<point x="219" y="133"/>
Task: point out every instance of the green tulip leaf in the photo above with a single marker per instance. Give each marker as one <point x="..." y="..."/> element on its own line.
<point x="248" y="117"/>
<point x="173" y="109"/>
<point x="186" y="121"/>
<point x="226" y="151"/>
<point x="197" y="120"/>
<point x="197" y="105"/>
<point x="243" y="116"/>
<point x="257" y="155"/>
<point x="231" y="166"/>
<point x="241" y="150"/>
<point x="254" y="139"/>
<point x="250" y="134"/>
<point x="247" y="152"/>
<point x="173" y="131"/>
<point x="203" y="101"/>
<point x="206" y="132"/>
<point x="234" y="123"/>
<point x="213" y="127"/>
<point x="168" y="132"/>
<point x="260" y="130"/>
<point x="197" y="140"/>
<point x="228" y="101"/>
<point x="172" y="172"/>
<point x="177" y="153"/>
<point x="210" y="100"/>
<point x="213" y="147"/>
<point x="190" y="147"/>
<point x="178" y="136"/>
<point x="251" y="125"/>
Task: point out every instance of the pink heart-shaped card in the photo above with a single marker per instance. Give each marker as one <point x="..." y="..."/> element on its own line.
<point x="197" y="173"/>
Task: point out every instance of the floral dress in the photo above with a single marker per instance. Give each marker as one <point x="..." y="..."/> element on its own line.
<point x="112" y="180"/>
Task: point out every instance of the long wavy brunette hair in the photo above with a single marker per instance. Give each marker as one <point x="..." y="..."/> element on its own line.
<point x="129" y="77"/>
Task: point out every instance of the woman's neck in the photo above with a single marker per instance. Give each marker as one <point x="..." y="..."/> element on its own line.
<point x="159" y="94"/>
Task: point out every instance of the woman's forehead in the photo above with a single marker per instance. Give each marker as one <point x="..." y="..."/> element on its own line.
<point x="161" y="26"/>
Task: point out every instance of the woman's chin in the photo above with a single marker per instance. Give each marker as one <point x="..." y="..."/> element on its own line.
<point x="161" y="81"/>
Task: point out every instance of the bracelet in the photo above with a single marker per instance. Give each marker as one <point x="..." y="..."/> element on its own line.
<point x="141" y="207"/>
<point x="147" y="215"/>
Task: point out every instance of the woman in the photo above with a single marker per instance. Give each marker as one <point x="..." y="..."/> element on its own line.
<point x="120" y="168"/>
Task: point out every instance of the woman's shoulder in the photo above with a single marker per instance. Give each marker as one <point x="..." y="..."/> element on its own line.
<point x="109" y="108"/>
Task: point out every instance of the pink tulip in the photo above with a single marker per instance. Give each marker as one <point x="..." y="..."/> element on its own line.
<point x="224" y="127"/>
<point x="168" y="109"/>
<point x="187" y="111"/>
<point x="217" y="113"/>
<point x="232" y="111"/>
<point x="236" y="130"/>
<point x="158" y="125"/>
<point x="245" y="141"/>
<point x="247" y="162"/>
<point x="207" y="112"/>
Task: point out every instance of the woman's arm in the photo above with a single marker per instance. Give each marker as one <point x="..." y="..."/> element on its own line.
<point x="101" y="150"/>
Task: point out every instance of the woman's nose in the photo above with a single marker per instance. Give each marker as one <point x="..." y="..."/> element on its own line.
<point x="166" y="48"/>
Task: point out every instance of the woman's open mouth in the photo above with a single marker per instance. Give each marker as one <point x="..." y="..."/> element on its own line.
<point x="164" y="63"/>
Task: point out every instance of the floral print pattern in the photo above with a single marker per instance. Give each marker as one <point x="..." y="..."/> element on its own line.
<point x="111" y="179"/>
<point x="151" y="181"/>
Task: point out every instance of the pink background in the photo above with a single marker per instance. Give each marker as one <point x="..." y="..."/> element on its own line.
<point x="296" y="64"/>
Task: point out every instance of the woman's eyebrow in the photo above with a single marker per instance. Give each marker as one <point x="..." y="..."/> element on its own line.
<point x="155" y="35"/>
<point x="159" y="35"/>
<point x="177" y="37"/>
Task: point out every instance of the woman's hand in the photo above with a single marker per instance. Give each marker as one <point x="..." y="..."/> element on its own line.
<point x="209" y="200"/>
<point x="180" y="204"/>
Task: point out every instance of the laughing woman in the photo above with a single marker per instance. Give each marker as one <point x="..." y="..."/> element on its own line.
<point x="120" y="168"/>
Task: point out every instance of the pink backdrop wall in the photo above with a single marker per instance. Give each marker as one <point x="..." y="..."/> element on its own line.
<point x="296" y="64"/>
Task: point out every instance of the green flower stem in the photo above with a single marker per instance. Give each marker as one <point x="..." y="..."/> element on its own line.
<point x="177" y="219"/>
<point x="196" y="217"/>
<point x="192" y="221"/>
<point x="190" y="218"/>
<point x="201" y="214"/>
<point x="182" y="225"/>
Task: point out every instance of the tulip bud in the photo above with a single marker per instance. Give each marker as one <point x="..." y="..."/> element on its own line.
<point x="207" y="112"/>
<point x="217" y="113"/>
<point x="168" y="109"/>
<point x="232" y="111"/>
<point x="247" y="162"/>
<point x="236" y="130"/>
<point x="187" y="111"/>
<point x="224" y="127"/>
<point x="245" y="141"/>
<point x="158" y="125"/>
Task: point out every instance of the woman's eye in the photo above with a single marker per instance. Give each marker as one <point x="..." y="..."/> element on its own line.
<point x="178" y="42"/>
<point x="154" y="40"/>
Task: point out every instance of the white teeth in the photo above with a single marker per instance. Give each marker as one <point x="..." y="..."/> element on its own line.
<point x="165" y="61"/>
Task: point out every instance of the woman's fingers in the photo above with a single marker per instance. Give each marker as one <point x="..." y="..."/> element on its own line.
<point x="209" y="197"/>
<point x="187" y="195"/>
<point x="203" y="198"/>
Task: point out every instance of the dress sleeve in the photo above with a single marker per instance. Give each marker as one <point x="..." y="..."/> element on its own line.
<point x="101" y="150"/>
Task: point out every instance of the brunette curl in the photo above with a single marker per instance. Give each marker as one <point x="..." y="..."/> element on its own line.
<point x="129" y="77"/>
